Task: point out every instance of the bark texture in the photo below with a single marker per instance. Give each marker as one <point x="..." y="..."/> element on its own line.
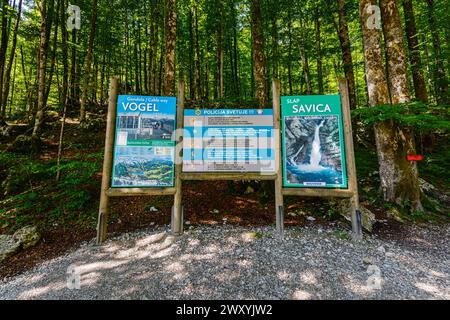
<point x="398" y="176"/>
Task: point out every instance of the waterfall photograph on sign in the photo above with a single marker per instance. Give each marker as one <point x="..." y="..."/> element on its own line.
<point x="313" y="146"/>
<point x="313" y="151"/>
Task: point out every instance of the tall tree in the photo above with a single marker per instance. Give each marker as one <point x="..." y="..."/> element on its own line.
<point x="171" y="36"/>
<point x="407" y="188"/>
<point x="12" y="56"/>
<point x="414" y="52"/>
<point x="46" y="11"/>
<point x="259" y="60"/>
<point x="439" y="71"/>
<point x="197" y="71"/>
<point x="318" y="50"/>
<point x="89" y="58"/>
<point x="344" y="39"/>
<point x="396" y="174"/>
<point x="3" y="49"/>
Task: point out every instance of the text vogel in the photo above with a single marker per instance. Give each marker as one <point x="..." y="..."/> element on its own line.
<point x="303" y="108"/>
<point x="133" y="106"/>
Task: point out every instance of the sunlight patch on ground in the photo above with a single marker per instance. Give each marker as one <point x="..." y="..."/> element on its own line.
<point x="301" y="295"/>
<point x="435" y="291"/>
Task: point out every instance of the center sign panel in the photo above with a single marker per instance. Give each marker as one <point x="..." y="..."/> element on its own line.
<point x="228" y="140"/>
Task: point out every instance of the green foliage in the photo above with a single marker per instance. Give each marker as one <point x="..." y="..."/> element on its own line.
<point x="31" y="194"/>
<point x="412" y="114"/>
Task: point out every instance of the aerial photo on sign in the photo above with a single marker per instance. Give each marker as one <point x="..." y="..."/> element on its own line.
<point x="144" y="146"/>
<point x="313" y="142"/>
<point x="228" y="140"/>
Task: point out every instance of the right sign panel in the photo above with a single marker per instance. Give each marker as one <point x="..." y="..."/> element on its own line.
<point x="313" y="142"/>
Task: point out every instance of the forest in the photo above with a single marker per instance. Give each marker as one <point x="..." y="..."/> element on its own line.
<point x="57" y="58"/>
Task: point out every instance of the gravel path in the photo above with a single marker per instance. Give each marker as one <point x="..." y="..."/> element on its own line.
<point x="226" y="262"/>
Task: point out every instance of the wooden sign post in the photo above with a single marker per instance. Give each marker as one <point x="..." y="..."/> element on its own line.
<point x="177" y="209"/>
<point x="279" y="212"/>
<point x="107" y="191"/>
<point x="351" y="191"/>
<point x="277" y="176"/>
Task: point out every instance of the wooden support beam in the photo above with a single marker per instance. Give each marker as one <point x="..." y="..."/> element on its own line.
<point x="102" y="226"/>
<point x="245" y="176"/>
<point x="276" y="93"/>
<point x="177" y="210"/>
<point x="310" y="192"/>
<point x="350" y="160"/>
<point x="135" y="192"/>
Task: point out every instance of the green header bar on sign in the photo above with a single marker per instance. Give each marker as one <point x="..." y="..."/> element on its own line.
<point x="313" y="142"/>
<point x="151" y="143"/>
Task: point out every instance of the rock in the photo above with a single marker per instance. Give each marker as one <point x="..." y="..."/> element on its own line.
<point x="153" y="209"/>
<point x="309" y="218"/>
<point x="8" y="247"/>
<point x="367" y="218"/>
<point x="187" y="223"/>
<point x="26" y="144"/>
<point x="434" y="192"/>
<point x="343" y="207"/>
<point x="27" y="236"/>
<point x="394" y="214"/>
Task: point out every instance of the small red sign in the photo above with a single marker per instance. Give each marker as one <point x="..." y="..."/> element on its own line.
<point x="414" y="157"/>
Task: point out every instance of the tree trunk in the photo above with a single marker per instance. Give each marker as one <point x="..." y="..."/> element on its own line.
<point x="42" y="64"/>
<point x="65" y="56"/>
<point x="89" y="58"/>
<point x="439" y="71"/>
<point x="171" y="36"/>
<point x="259" y="61"/>
<point x="220" y="53"/>
<point x="197" y="71"/>
<point x="408" y="182"/>
<point x="396" y="173"/>
<point x="414" y="53"/>
<point x="3" y="49"/>
<point x="344" y="39"/>
<point x="10" y="63"/>
<point x="274" y="47"/>
<point x="53" y="57"/>
<point x="318" y="52"/>
<point x="73" y="70"/>
<point x="290" y="53"/>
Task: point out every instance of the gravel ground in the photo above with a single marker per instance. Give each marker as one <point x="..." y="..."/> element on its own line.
<point x="227" y="262"/>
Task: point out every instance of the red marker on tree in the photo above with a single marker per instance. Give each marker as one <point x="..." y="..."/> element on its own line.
<point x="414" y="157"/>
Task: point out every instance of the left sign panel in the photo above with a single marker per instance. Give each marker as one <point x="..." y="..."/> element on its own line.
<point x="144" y="145"/>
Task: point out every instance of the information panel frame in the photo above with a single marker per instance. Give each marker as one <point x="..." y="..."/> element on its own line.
<point x="214" y="140"/>
<point x="306" y="162"/>
<point x="144" y="139"/>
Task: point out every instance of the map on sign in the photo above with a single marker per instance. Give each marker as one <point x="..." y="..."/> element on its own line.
<point x="228" y="140"/>
<point x="313" y="142"/>
<point x="144" y="148"/>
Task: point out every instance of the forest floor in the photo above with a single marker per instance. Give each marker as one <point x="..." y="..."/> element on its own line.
<point x="230" y="262"/>
<point x="205" y="203"/>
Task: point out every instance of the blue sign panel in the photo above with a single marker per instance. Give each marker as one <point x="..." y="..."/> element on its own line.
<point x="144" y="145"/>
<point x="228" y="140"/>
